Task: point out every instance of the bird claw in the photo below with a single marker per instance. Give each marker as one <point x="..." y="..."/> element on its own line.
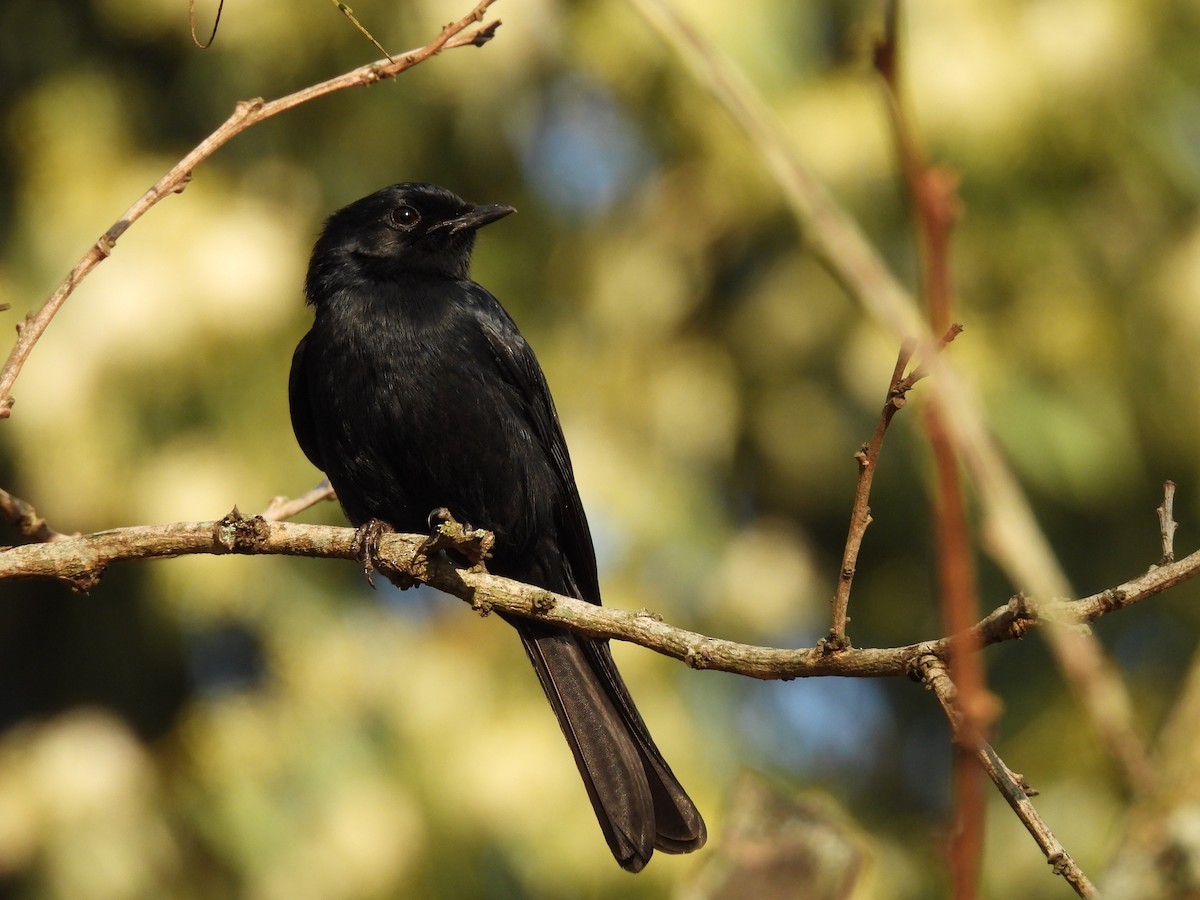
<point x="366" y="545"/>
<point x="447" y="533"/>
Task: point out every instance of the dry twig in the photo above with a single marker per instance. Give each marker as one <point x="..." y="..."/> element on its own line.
<point x="470" y="30"/>
<point x="932" y="671"/>
<point x="860" y="514"/>
<point x="282" y="508"/>
<point x="25" y="519"/>
<point x="1167" y="523"/>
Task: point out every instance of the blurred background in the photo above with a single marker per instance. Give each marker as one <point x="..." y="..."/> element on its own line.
<point x="272" y="727"/>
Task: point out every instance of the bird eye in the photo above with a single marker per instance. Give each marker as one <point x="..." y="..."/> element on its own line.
<point x="404" y="217"/>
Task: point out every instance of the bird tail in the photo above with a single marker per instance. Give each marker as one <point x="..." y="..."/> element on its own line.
<point x="638" y="801"/>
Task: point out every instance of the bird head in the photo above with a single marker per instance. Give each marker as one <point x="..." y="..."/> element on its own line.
<point x="404" y="229"/>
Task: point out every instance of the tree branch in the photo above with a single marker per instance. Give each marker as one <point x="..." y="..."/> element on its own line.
<point x="25" y="519"/>
<point x="79" y="562"/>
<point x="933" y="192"/>
<point x="1167" y="523"/>
<point x="932" y="671"/>
<point x="281" y="508"/>
<point x="467" y="31"/>
<point x="860" y="514"/>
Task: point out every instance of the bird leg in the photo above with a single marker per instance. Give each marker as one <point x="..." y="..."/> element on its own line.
<point x="447" y="533"/>
<point x="366" y="545"/>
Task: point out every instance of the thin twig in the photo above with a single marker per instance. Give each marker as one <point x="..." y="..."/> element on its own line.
<point x="1167" y="523"/>
<point x="467" y="31"/>
<point x="860" y="513"/>
<point x="1012" y="786"/>
<point x="25" y="519"/>
<point x="282" y="508"/>
<point x="349" y="14"/>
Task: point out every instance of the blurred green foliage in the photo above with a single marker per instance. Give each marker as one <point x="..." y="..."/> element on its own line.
<point x="272" y="728"/>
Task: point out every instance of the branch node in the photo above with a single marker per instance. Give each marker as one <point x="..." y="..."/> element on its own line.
<point x="1028" y="789"/>
<point x="833" y="643"/>
<point x="542" y="601"/>
<point x="236" y="533"/>
<point x="1022" y="619"/>
<point x="698" y="656"/>
<point x="242" y="109"/>
<point x="83" y="582"/>
<point x="109" y="239"/>
<point x="920" y="668"/>
<point x="485" y="34"/>
<point x="1113" y="598"/>
<point x="481" y="606"/>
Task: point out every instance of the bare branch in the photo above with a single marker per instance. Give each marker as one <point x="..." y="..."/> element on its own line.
<point x="281" y="508"/>
<point x="467" y="31"/>
<point x="860" y="514"/>
<point x="80" y="562"/>
<point x="1167" y="523"/>
<point x="1012" y="786"/>
<point x="25" y="519"/>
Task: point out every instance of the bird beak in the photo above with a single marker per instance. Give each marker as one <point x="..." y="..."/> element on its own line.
<point x="476" y="217"/>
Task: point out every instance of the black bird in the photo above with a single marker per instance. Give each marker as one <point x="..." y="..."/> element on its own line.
<point x="415" y="391"/>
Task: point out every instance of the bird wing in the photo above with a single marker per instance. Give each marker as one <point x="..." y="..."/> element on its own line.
<point x="520" y="367"/>
<point x="301" y="409"/>
<point x="678" y="824"/>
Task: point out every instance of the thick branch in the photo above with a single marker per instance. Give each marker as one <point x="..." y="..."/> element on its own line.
<point x="80" y="562"/>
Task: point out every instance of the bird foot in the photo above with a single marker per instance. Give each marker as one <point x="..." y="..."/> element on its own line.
<point x="447" y="533"/>
<point x="366" y="545"/>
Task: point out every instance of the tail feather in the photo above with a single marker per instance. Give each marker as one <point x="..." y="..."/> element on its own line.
<point x="638" y="801"/>
<point x="679" y="826"/>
